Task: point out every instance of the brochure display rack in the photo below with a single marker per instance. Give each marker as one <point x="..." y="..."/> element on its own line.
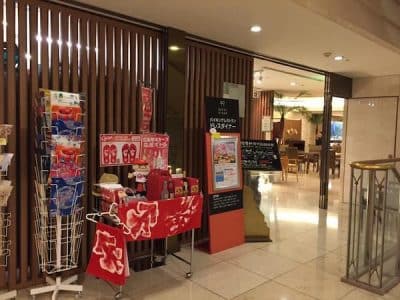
<point x="5" y="191"/>
<point x="59" y="187"/>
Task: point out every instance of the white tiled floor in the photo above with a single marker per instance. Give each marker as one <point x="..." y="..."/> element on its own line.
<point x="305" y="260"/>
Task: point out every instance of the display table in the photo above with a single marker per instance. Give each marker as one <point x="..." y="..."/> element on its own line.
<point x="135" y="220"/>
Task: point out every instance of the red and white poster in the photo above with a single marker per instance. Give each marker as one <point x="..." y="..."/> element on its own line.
<point x="119" y="149"/>
<point x="109" y="260"/>
<point x="162" y="218"/>
<point x="155" y="150"/>
<point x="146" y="102"/>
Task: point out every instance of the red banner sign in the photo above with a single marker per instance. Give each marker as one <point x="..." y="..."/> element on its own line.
<point x="161" y="219"/>
<point x="109" y="259"/>
<point x="155" y="150"/>
<point x="146" y="100"/>
<point x="119" y="149"/>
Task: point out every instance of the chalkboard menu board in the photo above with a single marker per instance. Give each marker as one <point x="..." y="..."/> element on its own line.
<point x="260" y="155"/>
<point x="222" y="114"/>
<point x="223" y="202"/>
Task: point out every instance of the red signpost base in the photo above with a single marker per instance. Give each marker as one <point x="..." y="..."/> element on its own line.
<point x="226" y="230"/>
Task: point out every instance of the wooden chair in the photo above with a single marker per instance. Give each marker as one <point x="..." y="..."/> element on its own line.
<point x="314" y="153"/>
<point x="334" y="162"/>
<point x="293" y="160"/>
<point x="285" y="167"/>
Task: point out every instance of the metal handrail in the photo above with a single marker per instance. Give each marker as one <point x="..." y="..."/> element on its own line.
<point x="373" y="229"/>
<point x="377" y="164"/>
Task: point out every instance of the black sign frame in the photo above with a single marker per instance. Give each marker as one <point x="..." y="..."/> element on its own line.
<point x="265" y="158"/>
<point x="222" y="114"/>
<point x="224" y="202"/>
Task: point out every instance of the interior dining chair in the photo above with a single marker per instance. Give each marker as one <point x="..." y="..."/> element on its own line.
<point x="334" y="162"/>
<point x="285" y="167"/>
<point x="314" y="152"/>
<point x="293" y="161"/>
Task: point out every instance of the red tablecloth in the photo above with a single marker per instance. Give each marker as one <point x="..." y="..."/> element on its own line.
<point x="162" y="218"/>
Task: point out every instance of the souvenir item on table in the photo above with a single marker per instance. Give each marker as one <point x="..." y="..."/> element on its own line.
<point x="140" y="172"/>
<point x="155" y="182"/>
<point x="178" y="187"/>
<point x="108" y="260"/>
<point x="193" y="183"/>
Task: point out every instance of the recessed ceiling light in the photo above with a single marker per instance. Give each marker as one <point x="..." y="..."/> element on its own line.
<point x="174" y="48"/>
<point x="339" y="57"/>
<point x="293" y="83"/>
<point x="255" y="28"/>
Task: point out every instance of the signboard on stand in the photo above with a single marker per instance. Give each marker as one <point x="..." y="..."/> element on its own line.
<point x="224" y="174"/>
<point x="260" y="155"/>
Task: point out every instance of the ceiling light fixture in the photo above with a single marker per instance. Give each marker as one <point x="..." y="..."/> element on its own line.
<point x="255" y="28"/>
<point x="293" y="83"/>
<point x="339" y="57"/>
<point x="174" y="48"/>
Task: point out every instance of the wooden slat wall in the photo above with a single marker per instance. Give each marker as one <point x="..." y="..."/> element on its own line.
<point x="62" y="48"/>
<point x="260" y="107"/>
<point x="207" y="69"/>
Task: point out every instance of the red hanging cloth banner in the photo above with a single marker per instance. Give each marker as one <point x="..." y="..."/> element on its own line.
<point x="109" y="259"/>
<point x="162" y="218"/>
<point x="146" y="101"/>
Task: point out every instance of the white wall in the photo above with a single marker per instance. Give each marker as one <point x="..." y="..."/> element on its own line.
<point x="371" y="122"/>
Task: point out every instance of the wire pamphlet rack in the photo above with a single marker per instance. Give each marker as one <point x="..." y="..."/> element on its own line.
<point x="5" y="217"/>
<point x="59" y="188"/>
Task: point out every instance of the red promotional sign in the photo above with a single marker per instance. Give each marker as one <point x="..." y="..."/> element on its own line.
<point x="155" y="150"/>
<point x="146" y="101"/>
<point x="119" y="149"/>
<point x="109" y="258"/>
<point x="160" y="219"/>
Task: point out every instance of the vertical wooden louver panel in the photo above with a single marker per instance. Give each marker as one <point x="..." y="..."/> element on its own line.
<point x="73" y="50"/>
<point x="55" y="36"/>
<point x="34" y="88"/>
<point x="117" y="93"/>
<point x="2" y="85"/>
<point x="64" y="50"/>
<point x="42" y="38"/>
<point x="117" y="84"/>
<point x="101" y="112"/>
<point x="125" y="83"/>
<point x="94" y="104"/>
<point x="110" y="79"/>
<point x="83" y="77"/>
<point x="133" y="83"/>
<point x="3" y="282"/>
<point x="23" y="136"/>
<point x="124" y="93"/>
<point x="13" y="142"/>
